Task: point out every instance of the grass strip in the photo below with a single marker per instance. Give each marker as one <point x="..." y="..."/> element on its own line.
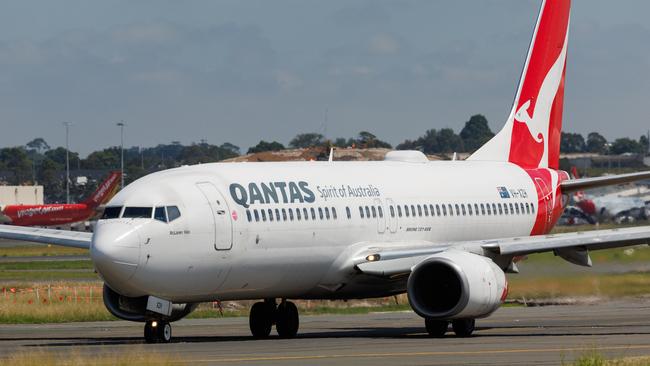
<point x="40" y="251"/>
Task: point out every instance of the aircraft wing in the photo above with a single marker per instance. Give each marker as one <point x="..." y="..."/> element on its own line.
<point x="76" y="239"/>
<point x="574" y="185"/>
<point x="573" y="247"/>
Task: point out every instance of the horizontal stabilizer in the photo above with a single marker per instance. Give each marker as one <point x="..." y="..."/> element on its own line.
<point x="574" y="185"/>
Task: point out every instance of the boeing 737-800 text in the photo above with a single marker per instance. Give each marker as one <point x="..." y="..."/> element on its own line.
<point x="443" y="232"/>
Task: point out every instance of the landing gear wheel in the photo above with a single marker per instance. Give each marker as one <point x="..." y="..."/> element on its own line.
<point x="287" y="321"/>
<point x="157" y="331"/>
<point x="463" y="327"/>
<point x="261" y="319"/>
<point x="436" y="328"/>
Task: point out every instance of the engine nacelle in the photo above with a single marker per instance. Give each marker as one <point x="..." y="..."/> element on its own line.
<point x="456" y="284"/>
<point x="135" y="308"/>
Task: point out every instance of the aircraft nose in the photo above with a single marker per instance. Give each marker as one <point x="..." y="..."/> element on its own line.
<point x="115" y="251"/>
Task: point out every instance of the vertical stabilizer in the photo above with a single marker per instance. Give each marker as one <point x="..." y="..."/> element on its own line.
<point x="105" y="191"/>
<point x="531" y="135"/>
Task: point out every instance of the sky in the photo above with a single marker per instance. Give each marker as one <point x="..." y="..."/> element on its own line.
<point x="245" y="70"/>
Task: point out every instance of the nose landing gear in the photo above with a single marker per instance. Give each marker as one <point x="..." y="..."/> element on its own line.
<point x="264" y="314"/>
<point x="157" y="331"/>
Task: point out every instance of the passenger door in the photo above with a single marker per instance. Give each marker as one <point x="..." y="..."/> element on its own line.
<point x="222" y="222"/>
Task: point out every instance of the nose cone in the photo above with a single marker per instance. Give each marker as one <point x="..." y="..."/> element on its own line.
<point x="115" y="251"/>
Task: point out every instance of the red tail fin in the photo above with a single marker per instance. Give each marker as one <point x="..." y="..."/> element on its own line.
<point x="531" y="136"/>
<point x="105" y="191"/>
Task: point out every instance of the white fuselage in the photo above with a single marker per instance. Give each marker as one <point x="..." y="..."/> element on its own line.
<point x="223" y="247"/>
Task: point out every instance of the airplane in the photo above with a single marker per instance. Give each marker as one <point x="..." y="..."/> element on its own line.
<point x="61" y="214"/>
<point x="444" y="232"/>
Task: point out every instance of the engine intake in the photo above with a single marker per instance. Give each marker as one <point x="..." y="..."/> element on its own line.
<point x="456" y="284"/>
<point x="135" y="308"/>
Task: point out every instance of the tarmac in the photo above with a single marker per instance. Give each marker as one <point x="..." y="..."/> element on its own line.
<point x="546" y="335"/>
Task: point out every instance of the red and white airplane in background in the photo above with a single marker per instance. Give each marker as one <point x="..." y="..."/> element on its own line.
<point x="61" y="214"/>
<point x="444" y="232"/>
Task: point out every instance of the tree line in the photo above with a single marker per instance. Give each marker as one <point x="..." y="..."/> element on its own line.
<point x="37" y="162"/>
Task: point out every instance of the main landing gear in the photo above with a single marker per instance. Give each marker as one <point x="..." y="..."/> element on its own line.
<point x="157" y="331"/>
<point x="265" y="314"/>
<point x="462" y="327"/>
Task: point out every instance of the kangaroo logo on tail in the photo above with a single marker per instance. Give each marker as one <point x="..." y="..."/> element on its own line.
<point x="531" y="135"/>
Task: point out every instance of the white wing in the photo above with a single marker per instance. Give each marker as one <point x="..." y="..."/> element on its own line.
<point x="573" y="247"/>
<point x="76" y="239"/>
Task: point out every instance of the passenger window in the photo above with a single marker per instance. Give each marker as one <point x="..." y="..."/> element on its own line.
<point x="444" y="210"/>
<point x="305" y="213"/>
<point x="505" y="209"/>
<point x="257" y="215"/>
<point x="463" y="209"/>
<point x="367" y="212"/>
<point x="334" y="213"/>
<point x="451" y="209"/>
<point x="159" y="214"/>
<point x="111" y="212"/>
<point x="426" y="210"/>
<point x="413" y="210"/>
<point x="320" y="213"/>
<point x="406" y="210"/>
<point x="361" y="212"/>
<point x="517" y="208"/>
<point x="512" y="211"/>
<point x="284" y="214"/>
<point x="399" y="211"/>
<point x="469" y="209"/>
<point x="419" y="210"/>
<point x="313" y="214"/>
<point x="137" y="212"/>
<point x="532" y="208"/>
<point x="347" y="211"/>
<point x="438" y="210"/>
<point x="374" y="211"/>
<point x="457" y="210"/>
<point x="327" y="213"/>
<point x="527" y="208"/>
<point x="290" y="214"/>
<point x="277" y="214"/>
<point x="392" y="211"/>
<point x="380" y="211"/>
<point x="476" y="209"/>
<point x="298" y="217"/>
<point x="248" y="215"/>
<point x="494" y="209"/>
<point x="263" y="215"/>
<point x="483" y="209"/>
<point x="271" y="215"/>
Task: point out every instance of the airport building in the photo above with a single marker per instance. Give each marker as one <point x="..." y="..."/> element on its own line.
<point x="21" y="195"/>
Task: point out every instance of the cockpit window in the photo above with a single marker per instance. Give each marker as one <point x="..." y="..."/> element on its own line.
<point x="112" y="212"/>
<point x="173" y="213"/>
<point x="159" y="214"/>
<point x="137" y="212"/>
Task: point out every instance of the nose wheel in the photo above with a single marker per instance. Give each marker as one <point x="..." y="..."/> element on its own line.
<point x="157" y="331"/>
<point x="265" y="314"/>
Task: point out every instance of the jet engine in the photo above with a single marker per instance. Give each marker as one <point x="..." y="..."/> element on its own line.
<point x="135" y="308"/>
<point x="456" y="285"/>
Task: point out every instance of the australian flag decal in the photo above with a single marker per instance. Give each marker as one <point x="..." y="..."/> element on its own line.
<point x="503" y="192"/>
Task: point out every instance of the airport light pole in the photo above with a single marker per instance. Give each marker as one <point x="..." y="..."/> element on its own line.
<point x="121" y="125"/>
<point x="67" y="161"/>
